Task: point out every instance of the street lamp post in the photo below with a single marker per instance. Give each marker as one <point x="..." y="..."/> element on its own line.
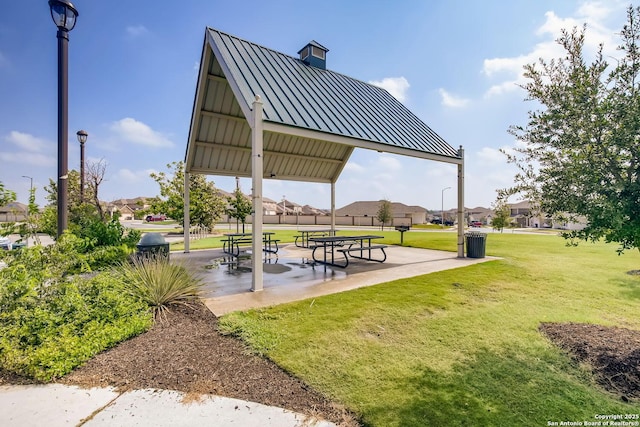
<point x="82" y="138"/>
<point x="64" y="15"/>
<point x="442" y="206"/>
<point x="30" y="185"/>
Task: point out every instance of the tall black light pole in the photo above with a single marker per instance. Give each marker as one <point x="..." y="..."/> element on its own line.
<point x="64" y="16"/>
<point x="82" y="138"/>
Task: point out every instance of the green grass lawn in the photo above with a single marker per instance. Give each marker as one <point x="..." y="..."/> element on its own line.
<point x="458" y="347"/>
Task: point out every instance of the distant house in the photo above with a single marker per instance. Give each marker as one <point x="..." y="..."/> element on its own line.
<point x="480" y="214"/>
<point x="127" y="208"/>
<point x="13" y="212"/>
<point x="524" y="216"/>
<point x="416" y="214"/>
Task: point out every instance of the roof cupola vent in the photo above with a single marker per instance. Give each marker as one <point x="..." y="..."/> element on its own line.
<point x="314" y="54"/>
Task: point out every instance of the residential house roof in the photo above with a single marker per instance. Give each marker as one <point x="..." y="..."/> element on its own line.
<point x="370" y="208"/>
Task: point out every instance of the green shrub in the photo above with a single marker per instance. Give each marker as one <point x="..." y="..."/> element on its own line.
<point x="49" y="327"/>
<point x="160" y="283"/>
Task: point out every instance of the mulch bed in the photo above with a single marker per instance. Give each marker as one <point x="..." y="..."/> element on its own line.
<point x="612" y="353"/>
<point x="185" y="352"/>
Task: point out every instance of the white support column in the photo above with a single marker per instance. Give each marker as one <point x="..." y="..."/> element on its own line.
<point x="333" y="208"/>
<point x="187" y="207"/>
<point x="256" y="179"/>
<point x="461" y="204"/>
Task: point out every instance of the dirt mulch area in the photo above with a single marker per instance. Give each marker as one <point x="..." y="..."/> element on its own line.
<point x="185" y="352"/>
<point x="612" y="353"/>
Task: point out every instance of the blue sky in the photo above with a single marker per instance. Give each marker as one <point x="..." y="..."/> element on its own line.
<point x="132" y="80"/>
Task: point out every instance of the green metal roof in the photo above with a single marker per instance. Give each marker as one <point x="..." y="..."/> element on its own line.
<point x="300" y="95"/>
<point x="313" y="119"/>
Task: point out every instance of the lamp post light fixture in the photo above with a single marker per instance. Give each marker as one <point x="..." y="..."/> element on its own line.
<point x="30" y="185"/>
<point x="64" y="16"/>
<point x="442" y="206"/>
<point x="82" y="138"/>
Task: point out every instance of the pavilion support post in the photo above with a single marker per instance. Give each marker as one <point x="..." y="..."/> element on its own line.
<point x="461" y="203"/>
<point x="333" y="208"/>
<point x="187" y="207"/>
<point x="256" y="178"/>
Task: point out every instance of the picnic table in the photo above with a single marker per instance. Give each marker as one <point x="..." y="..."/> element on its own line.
<point x="336" y="250"/>
<point x="232" y="242"/>
<point x="302" y="240"/>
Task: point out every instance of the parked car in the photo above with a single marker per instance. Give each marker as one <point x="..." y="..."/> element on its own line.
<point x="151" y="218"/>
<point x="5" y="243"/>
<point x="475" y="224"/>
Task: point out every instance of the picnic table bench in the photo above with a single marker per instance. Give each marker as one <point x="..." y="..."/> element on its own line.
<point x="232" y="242"/>
<point x="302" y="239"/>
<point x="336" y="250"/>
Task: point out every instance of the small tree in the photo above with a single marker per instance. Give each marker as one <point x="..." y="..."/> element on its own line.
<point x="6" y="197"/>
<point x="240" y="207"/>
<point x="29" y="228"/>
<point x="206" y="206"/>
<point x="502" y="216"/>
<point x="384" y="214"/>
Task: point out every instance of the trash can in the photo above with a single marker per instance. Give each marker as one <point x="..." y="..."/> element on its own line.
<point x="152" y="245"/>
<point x="476" y="244"/>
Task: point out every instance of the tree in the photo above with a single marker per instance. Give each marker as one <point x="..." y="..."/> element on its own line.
<point x="384" y="214"/>
<point x="94" y="174"/>
<point x="206" y="206"/>
<point x="502" y="216"/>
<point x="240" y="206"/>
<point x="581" y="149"/>
<point x="6" y="196"/>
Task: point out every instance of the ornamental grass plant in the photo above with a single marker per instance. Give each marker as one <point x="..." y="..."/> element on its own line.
<point x="160" y="283"/>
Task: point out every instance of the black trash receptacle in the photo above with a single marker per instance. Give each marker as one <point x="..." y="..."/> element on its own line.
<point x="476" y="244"/>
<point x="152" y="245"/>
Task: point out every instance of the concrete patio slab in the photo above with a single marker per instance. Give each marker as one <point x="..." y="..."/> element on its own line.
<point x="292" y="276"/>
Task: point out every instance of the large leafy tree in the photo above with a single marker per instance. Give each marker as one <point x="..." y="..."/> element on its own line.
<point x="580" y="157"/>
<point x="206" y="205"/>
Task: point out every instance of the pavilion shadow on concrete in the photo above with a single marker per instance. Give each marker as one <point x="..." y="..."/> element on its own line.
<point x="262" y="114"/>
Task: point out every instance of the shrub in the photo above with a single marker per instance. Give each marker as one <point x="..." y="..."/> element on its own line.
<point x="160" y="283"/>
<point x="50" y="325"/>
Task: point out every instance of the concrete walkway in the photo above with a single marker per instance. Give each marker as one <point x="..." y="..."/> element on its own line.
<point x="56" y="405"/>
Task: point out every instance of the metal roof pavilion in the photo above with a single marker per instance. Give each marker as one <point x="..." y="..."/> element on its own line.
<point x="263" y="114"/>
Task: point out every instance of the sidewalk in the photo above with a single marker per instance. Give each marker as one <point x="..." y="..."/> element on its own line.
<point x="56" y="405"/>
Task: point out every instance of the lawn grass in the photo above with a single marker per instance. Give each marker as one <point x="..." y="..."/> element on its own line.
<point x="458" y="347"/>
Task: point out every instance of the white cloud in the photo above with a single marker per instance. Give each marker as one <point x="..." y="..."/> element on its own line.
<point x="137" y="132"/>
<point x="30" y="150"/>
<point x="136" y="30"/>
<point x="353" y="167"/>
<point x="387" y="163"/>
<point x="396" y="86"/>
<point x="491" y="156"/>
<point x="27" y="142"/>
<point x="449" y="100"/>
<point x="27" y="158"/>
<point x="509" y="70"/>
<point x="129" y="176"/>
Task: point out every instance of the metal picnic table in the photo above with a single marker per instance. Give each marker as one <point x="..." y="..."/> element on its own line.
<point x="232" y="241"/>
<point x="359" y="247"/>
